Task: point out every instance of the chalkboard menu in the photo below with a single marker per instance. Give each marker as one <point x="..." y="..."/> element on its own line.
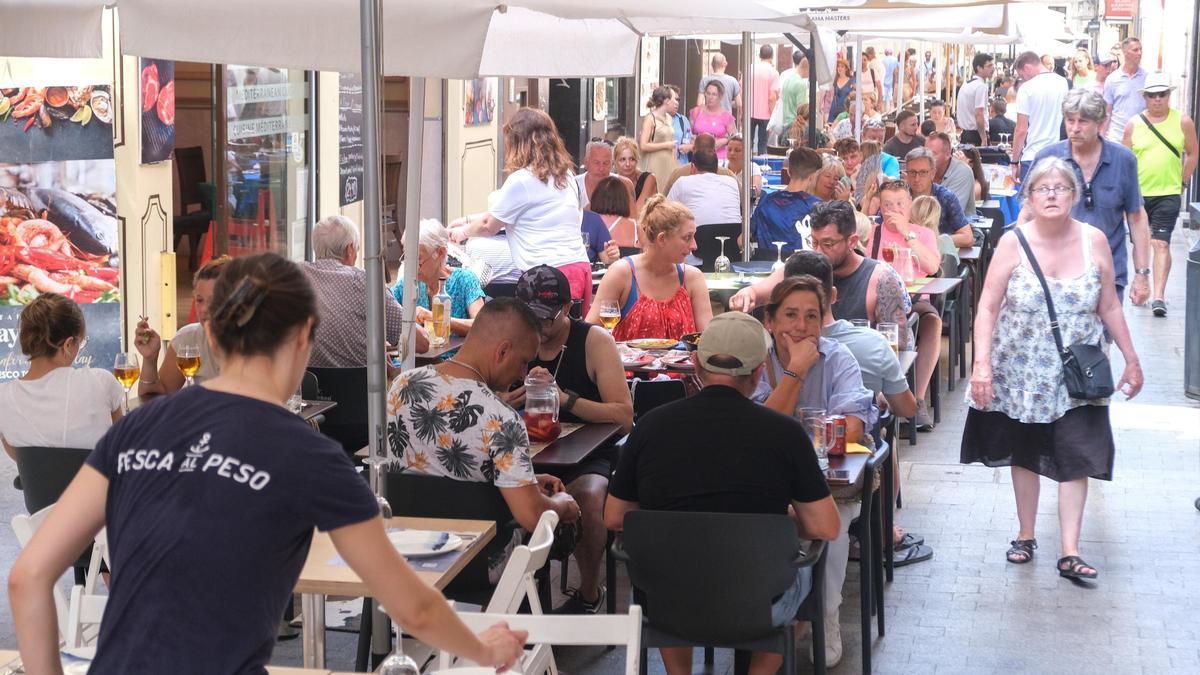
<point x="103" y="320"/>
<point x="351" y="162"/>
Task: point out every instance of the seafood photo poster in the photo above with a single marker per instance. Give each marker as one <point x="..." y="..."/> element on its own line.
<point x="158" y="109"/>
<point x="58" y="227"/>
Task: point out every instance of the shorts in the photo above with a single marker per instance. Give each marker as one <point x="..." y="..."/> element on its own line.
<point x="784" y="609"/>
<point x="579" y="276"/>
<point x="1163" y="213"/>
<point x="970" y="136"/>
<point x="602" y="463"/>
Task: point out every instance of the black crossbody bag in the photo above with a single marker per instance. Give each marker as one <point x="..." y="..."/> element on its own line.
<point x="1086" y="370"/>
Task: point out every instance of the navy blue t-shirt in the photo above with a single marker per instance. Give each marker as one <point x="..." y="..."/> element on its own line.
<point x="212" y="500"/>
<point x="598" y="235"/>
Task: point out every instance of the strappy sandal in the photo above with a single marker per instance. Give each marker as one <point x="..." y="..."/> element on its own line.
<point x="1073" y="568"/>
<point x="1021" y="551"/>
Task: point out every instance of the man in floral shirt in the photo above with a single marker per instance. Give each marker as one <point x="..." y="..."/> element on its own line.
<point x="446" y="420"/>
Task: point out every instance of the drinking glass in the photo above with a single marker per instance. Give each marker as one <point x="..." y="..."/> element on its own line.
<point x="187" y="359"/>
<point x="398" y="663"/>
<point x="127" y="371"/>
<point x="778" y="264"/>
<point x="905" y="265"/>
<point x="610" y="314"/>
<point x="814" y="423"/>
<point x="890" y="331"/>
<point x="722" y="265"/>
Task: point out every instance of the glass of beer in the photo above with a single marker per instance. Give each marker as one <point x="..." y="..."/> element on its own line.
<point x="891" y="331"/>
<point x="187" y="358"/>
<point x="610" y="314"/>
<point x="127" y="371"/>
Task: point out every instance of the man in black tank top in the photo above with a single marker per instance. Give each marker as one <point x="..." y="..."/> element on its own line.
<point x="584" y="362"/>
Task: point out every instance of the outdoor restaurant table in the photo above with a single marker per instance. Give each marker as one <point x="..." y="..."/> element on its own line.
<point x="320" y="578"/>
<point x="310" y="410"/>
<point x="969" y="254"/>
<point x="933" y="285"/>
<point x="567" y="451"/>
<point x="434" y="354"/>
<point x="849" y="469"/>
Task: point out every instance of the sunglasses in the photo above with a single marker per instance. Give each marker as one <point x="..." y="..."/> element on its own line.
<point x="1158" y="94"/>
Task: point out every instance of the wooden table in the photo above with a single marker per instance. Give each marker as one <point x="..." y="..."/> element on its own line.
<point x="434" y="354"/>
<point x="569" y="450"/>
<point x="319" y="578"/>
<point x="845" y="470"/>
<point x="310" y="410"/>
<point x="933" y="286"/>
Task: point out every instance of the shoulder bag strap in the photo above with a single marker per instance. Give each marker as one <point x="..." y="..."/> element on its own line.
<point x="1160" y="136"/>
<point x="1045" y="289"/>
<point x="875" y="243"/>
<point x="641" y="183"/>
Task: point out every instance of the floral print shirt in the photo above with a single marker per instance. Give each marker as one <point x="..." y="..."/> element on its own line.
<point x="456" y="428"/>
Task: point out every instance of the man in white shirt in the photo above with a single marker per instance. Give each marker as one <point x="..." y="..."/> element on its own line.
<point x="1039" y="111"/>
<point x="891" y="71"/>
<point x="598" y="165"/>
<point x="971" y="113"/>
<point x="1123" y="90"/>
<point x="712" y="198"/>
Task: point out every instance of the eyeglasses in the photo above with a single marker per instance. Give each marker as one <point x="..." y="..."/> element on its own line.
<point x="826" y="245"/>
<point x="916" y="173"/>
<point x="1158" y="94"/>
<point x="895" y="184"/>
<point x="1044" y="190"/>
<point x="597" y="139"/>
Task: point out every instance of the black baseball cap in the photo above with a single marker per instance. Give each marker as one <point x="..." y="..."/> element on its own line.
<point x="545" y="290"/>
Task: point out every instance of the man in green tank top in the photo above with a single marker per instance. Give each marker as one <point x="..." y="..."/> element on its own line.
<point x="1164" y="141"/>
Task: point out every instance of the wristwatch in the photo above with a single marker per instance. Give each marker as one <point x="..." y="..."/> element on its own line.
<point x="910" y="236"/>
<point x="572" y="397"/>
<point x="792" y="374"/>
<point x="1143" y="270"/>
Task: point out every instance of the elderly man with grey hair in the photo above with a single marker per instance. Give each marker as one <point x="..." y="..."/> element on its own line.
<point x="920" y="170"/>
<point x="1110" y="198"/>
<point x="598" y="165"/>
<point x="341" y="290"/>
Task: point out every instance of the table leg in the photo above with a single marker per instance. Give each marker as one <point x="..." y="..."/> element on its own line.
<point x="312" y="606"/>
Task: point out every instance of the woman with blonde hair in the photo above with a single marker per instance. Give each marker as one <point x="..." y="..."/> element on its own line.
<point x="659" y="296"/>
<point x="539" y="206"/>
<point x="628" y="158"/>
<point x="831" y="182"/>
<point x="1082" y="71"/>
<point x="799" y="129"/>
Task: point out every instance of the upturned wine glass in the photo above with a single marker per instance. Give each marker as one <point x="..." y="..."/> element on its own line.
<point x="722" y="265"/>
<point x="778" y="264"/>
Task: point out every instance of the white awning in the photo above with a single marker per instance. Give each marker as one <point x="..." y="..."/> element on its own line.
<point x="68" y="29"/>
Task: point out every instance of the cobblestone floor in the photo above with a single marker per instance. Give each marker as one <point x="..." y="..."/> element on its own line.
<point x="966" y="610"/>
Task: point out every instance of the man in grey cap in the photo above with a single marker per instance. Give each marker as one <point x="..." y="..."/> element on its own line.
<point x="718" y="451"/>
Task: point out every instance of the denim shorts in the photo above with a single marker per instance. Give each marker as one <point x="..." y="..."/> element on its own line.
<point x="784" y="609"/>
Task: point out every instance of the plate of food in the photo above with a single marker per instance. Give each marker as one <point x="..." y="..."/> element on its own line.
<point x="652" y="343"/>
<point x="680" y="360"/>
<point x="691" y="341"/>
<point x="423" y="543"/>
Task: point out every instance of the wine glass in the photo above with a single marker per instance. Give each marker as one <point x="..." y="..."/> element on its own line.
<point x="610" y="314"/>
<point x="188" y="361"/>
<point x="721" y="265"/>
<point x="778" y="265"/>
<point x="398" y="663"/>
<point x="127" y="371"/>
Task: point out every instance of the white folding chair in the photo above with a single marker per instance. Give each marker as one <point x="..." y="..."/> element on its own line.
<point x="83" y="618"/>
<point x="612" y="629"/>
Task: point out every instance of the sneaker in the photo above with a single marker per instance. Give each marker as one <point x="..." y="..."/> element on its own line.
<point x="1159" y="307"/>
<point x="833" y="643"/>
<point x="575" y="603"/>
<point x="922" y="418"/>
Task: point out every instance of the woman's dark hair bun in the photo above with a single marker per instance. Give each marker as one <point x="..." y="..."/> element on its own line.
<point x="257" y="302"/>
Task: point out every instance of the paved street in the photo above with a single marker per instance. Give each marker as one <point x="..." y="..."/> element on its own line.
<point x="967" y="610"/>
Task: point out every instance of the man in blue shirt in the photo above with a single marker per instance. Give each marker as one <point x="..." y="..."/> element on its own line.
<point x="1123" y="90"/>
<point x="890" y="65"/>
<point x="782" y="216"/>
<point x="919" y="167"/>
<point x="1110" y="196"/>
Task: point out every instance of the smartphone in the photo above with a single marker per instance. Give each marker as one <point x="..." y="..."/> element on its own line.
<point x="843" y="474"/>
<point x="847" y="182"/>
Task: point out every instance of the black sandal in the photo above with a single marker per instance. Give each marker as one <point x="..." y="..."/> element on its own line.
<point x="1021" y="551"/>
<point x="1074" y="568"/>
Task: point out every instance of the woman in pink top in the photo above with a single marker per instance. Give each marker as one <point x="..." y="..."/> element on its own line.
<point x="713" y="119"/>
<point x="898" y="229"/>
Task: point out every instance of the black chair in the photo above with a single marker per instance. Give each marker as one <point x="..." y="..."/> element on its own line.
<point x="708" y="248"/>
<point x="45" y="474"/>
<point x="722" y="597"/>
<point x="346" y="423"/>
<point x="649" y="394"/>
<point x="868" y="528"/>
<point x="956" y="318"/>
<point x="189" y="165"/>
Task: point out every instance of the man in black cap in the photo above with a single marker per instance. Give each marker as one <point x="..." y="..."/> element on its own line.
<point x="583" y="360"/>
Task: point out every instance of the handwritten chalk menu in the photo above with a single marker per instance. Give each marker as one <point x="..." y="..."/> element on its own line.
<point x="103" y="321"/>
<point x="351" y="162"/>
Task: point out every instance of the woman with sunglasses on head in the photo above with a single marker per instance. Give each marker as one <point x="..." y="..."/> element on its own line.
<point x="210" y="497"/>
<point x="1021" y="414"/>
<point x="54" y="405"/>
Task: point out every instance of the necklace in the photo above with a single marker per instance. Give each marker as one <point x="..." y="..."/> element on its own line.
<point x="469" y="367"/>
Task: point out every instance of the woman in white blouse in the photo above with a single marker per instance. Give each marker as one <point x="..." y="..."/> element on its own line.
<point x="54" y="405"/>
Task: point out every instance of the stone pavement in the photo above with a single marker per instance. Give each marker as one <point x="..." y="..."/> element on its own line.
<point x="967" y="610"/>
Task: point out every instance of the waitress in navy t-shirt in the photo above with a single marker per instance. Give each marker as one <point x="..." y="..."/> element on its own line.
<point x="210" y="496"/>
